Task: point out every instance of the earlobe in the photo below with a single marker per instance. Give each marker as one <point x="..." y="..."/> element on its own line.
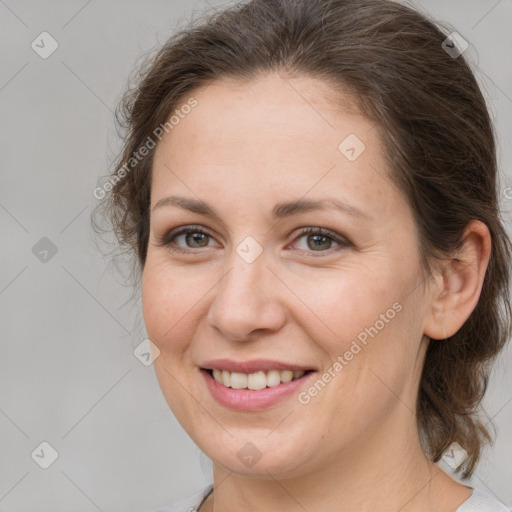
<point x="459" y="285"/>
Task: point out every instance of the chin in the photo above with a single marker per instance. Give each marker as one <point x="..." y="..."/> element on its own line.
<point x="258" y="456"/>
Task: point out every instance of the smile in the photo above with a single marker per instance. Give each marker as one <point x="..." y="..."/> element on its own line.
<point x="256" y="391"/>
<point x="255" y="381"/>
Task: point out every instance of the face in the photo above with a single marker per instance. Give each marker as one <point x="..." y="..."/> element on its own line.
<point x="247" y="284"/>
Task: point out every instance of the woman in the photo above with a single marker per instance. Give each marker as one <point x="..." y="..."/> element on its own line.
<point x="310" y="190"/>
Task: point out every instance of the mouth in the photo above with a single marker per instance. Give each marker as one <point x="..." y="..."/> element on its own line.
<point x="254" y="384"/>
<point x="257" y="380"/>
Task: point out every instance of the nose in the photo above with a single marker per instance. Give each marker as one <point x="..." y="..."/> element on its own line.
<point x="247" y="300"/>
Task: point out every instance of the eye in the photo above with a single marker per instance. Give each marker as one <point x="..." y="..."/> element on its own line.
<point x="189" y="239"/>
<point x="320" y="240"/>
<point x="194" y="237"/>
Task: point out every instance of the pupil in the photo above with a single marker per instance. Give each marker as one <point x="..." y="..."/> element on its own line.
<point x="196" y="237"/>
<point x="316" y="245"/>
<point x="319" y="240"/>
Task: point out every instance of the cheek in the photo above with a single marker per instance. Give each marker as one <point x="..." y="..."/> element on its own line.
<point x="338" y="305"/>
<point x="359" y="320"/>
<point x="168" y="301"/>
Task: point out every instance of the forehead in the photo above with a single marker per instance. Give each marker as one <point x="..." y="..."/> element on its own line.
<point x="231" y="111"/>
<point x="274" y="136"/>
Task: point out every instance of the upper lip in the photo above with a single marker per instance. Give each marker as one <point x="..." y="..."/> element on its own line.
<point x="252" y="366"/>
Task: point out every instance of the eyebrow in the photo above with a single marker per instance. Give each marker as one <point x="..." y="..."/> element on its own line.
<point x="280" y="210"/>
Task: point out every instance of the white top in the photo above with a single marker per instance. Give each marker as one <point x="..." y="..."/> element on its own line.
<point x="479" y="501"/>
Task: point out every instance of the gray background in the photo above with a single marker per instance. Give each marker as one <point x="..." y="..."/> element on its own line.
<point x="68" y="374"/>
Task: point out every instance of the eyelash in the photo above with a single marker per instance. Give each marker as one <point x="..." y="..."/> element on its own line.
<point x="166" y="240"/>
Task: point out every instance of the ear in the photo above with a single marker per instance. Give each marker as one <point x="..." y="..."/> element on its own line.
<point x="457" y="288"/>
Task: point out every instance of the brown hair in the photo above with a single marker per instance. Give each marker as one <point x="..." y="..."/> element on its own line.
<point x="437" y="135"/>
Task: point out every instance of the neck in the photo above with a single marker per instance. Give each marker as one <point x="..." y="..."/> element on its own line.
<point x="377" y="471"/>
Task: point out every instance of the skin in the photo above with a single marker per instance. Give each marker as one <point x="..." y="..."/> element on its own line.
<point x="354" y="446"/>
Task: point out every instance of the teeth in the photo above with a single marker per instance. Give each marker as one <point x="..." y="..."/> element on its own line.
<point x="238" y="380"/>
<point x="273" y="378"/>
<point x="255" y="381"/>
<point x="287" y="376"/>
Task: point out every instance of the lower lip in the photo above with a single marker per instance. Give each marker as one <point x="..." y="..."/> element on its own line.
<point x="250" y="399"/>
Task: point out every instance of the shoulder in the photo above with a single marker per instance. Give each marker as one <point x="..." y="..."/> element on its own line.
<point x="482" y="501"/>
<point x="479" y="501"/>
<point x="191" y="503"/>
